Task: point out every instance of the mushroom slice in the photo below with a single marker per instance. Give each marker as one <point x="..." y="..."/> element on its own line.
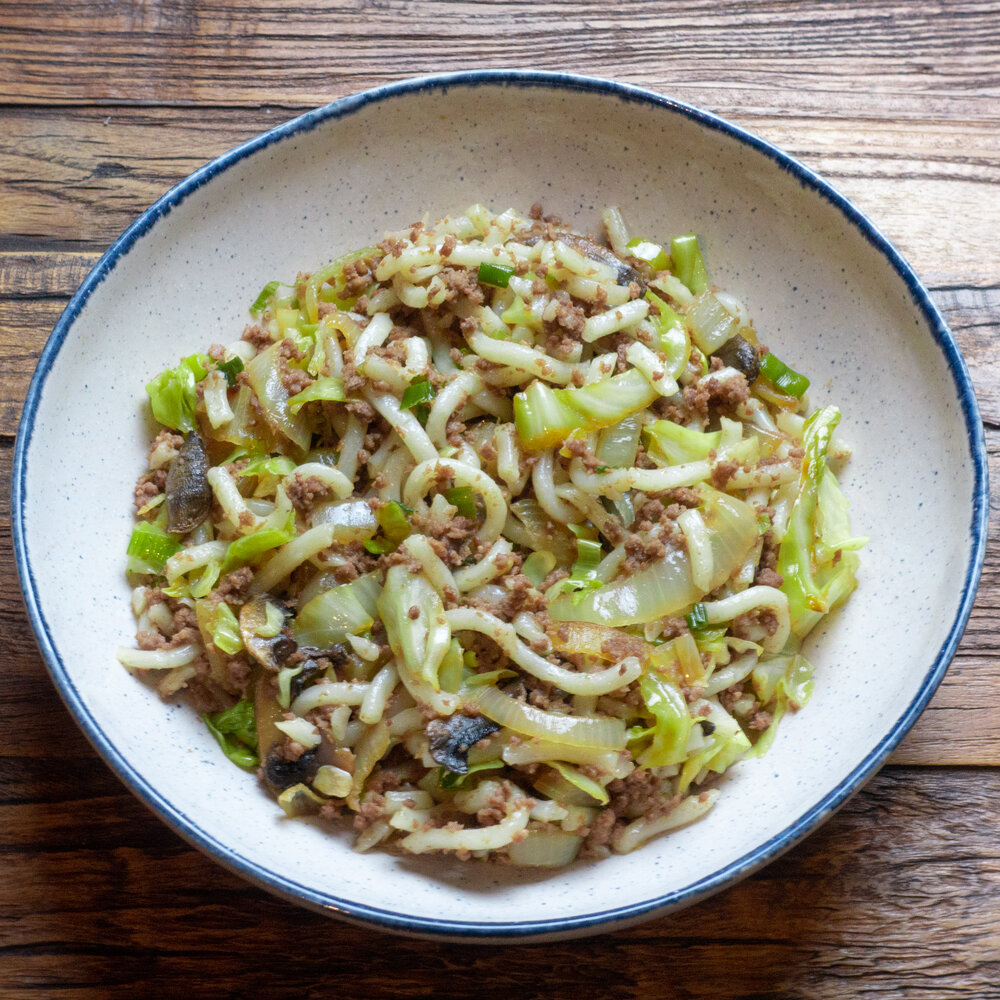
<point x="262" y="624"/>
<point x="282" y="773"/>
<point x="739" y="353"/>
<point x="189" y="495"/>
<point x="451" y="738"/>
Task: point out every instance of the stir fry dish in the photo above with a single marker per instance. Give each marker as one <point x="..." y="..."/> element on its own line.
<point x="494" y="538"/>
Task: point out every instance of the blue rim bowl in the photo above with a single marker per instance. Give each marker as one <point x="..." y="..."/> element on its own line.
<point x="596" y="919"/>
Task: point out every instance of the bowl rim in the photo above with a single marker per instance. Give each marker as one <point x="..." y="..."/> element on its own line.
<point x="595" y="920"/>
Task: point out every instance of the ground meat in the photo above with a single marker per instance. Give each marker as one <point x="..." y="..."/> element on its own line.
<point x="760" y="720"/>
<point x="649" y="542"/>
<point x="237" y="673"/>
<point x="600" y="835"/>
<point x="203" y="696"/>
<point x="459" y="282"/>
<point x="359" y="274"/>
<point x="289" y="750"/>
<point x="456" y="535"/>
<point x="293" y="379"/>
<point x="495" y="808"/>
<point x="165" y="437"/>
<point x="148" y="486"/>
<point x="304" y="491"/>
<point x="256" y="336"/>
<point x="673" y="627"/>
<point x="640" y="794"/>
<point x="371" y="808"/>
<point x="542" y="695"/>
<point x="730" y="696"/>
<point x="749" y="625"/>
<point x="619" y="645"/>
<point x="520" y="596"/>
<point x="650" y="510"/>
<point x="722" y="472"/>
<point x="392" y="245"/>
<point x="709" y="391"/>
<point x="683" y="495"/>
<point x="489" y="656"/>
<point x="233" y="588"/>
<point x="580" y="449"/>
<point x="357" y="562"/>
<point x="767" y="574"/>
<point x="362" y="410"/>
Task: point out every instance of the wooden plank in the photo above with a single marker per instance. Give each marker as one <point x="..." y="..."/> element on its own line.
<point x="795" y="57"/>
<point x="32" y="274"/>
<point x="100" y="896"/>
<point x="75" y="178"/>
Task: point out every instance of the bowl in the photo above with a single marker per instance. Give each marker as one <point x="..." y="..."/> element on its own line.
<point x="828" y="292"/>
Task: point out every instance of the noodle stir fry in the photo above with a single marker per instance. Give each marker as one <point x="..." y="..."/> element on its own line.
<point x="497" y="538"/>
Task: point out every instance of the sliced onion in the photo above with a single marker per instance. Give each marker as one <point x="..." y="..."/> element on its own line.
<point x="265" y="380"/>
<point x="596" y="733"/>
<point x="546" y="849"/>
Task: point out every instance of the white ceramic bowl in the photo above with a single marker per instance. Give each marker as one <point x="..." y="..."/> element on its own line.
<point x="828" y="292"/>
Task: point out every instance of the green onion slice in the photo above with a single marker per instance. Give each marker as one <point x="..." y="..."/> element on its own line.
<point x="262" y="300"/>
<point x="231" y="369"/>
<point x="783" y="377"/>
<point x="152" y="545"/>
<point x="497" y="275"/>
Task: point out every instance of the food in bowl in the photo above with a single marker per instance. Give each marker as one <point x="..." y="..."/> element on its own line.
<point x="501" y="538"/>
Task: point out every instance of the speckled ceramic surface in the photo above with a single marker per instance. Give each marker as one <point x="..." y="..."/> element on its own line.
<point x="827" y="292"/>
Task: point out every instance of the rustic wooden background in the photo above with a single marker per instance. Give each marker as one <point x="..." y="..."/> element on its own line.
<point x="106" y="104"/>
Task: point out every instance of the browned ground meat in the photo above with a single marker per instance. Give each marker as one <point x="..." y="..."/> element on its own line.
<point x="233" y="588"/>
<point x="165" y="437"/>
<point x="256" y="336"/>
<point x="600" y="835"/>
<point x="709" y="391"/>
<point x="767" y="574"/>
<point x="580" y="449"/>
<point x="461" y="282"/>
<point x="357" y="562"/>
<point x="640" y="793"/>
<point x="359" y="275"/>
<point x="304" y="491"/>
<point x="722" y="472"/>
<point x="747" y="625"/>
<point x="148" y="486"/>
<point x="293" y="379"/>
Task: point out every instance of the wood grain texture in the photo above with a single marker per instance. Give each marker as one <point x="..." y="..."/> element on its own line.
<point x="75" y="178"/>
<point x="105" y="104"/>
<point x="881" y="894"/>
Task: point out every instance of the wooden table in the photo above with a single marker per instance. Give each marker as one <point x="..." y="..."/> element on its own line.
<point x="103" y="106"/>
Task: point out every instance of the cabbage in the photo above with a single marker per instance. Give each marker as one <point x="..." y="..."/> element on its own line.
<point x="666" y="587"/>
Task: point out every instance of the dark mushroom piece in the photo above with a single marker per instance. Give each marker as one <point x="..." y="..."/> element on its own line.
<point x="270" y="651"/>
<point x="189" y="495"/>
<point x="451" y="738"/>
<point x="282" y="773"/>
<point x="740" y="354"/>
